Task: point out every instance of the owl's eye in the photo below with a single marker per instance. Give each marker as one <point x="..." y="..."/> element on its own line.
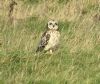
<point x="56" y="24"/>
<point x="50" y="23"/>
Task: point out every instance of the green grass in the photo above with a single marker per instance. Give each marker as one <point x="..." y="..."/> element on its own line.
<point x="77" y="60"/>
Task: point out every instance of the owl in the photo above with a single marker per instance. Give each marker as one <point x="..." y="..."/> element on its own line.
<point x="50" y="38"/>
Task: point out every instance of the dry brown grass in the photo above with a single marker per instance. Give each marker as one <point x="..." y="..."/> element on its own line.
<point x="49" y="9"/>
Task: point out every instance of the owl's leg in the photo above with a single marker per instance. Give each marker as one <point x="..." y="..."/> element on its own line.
<point x="51" y="52"/>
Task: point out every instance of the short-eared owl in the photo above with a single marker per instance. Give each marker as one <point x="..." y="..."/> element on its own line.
<point x="50" y="38"/>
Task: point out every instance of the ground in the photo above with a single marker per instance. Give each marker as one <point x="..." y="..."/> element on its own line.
<point x="77" y="60"/>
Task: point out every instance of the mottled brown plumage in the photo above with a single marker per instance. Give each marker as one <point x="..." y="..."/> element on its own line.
<point x="44" y="41"/>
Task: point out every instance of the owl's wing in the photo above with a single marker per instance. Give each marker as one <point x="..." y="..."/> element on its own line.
<point x="44" y="41"/>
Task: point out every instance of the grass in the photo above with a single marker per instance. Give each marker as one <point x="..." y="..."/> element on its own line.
<point x="77" y="60"/>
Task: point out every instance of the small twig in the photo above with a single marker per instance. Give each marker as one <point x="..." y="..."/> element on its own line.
<point x="11" y="8"/>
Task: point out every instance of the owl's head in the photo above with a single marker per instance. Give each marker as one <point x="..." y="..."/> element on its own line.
<point x="53" y="25"/>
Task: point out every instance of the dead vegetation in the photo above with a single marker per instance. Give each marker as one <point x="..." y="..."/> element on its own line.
<point x="51" y="9"/>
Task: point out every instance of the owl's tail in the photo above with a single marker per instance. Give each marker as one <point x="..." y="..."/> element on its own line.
<point x="40" y="48"/>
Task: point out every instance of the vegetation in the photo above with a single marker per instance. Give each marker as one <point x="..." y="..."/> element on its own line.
<point x="77" y="61"/>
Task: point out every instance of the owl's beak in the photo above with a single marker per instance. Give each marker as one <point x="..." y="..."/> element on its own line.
<point x="53" y="25"/>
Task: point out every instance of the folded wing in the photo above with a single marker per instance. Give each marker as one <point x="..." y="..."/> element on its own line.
<point x="44" y="41"/>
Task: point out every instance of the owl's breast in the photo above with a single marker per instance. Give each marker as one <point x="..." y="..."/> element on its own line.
<point x="54" y="39"/>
